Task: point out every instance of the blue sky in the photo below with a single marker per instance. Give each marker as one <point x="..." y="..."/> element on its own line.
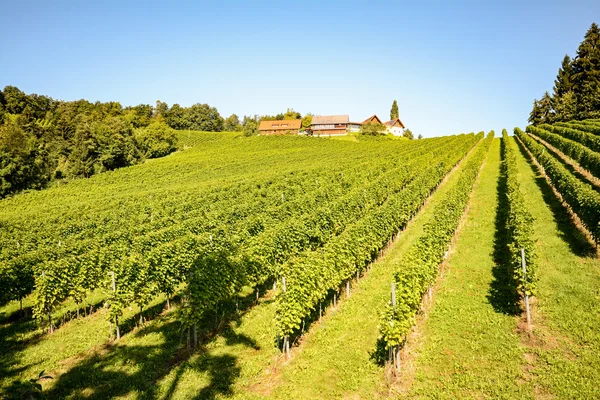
<point x="453" y="66"/>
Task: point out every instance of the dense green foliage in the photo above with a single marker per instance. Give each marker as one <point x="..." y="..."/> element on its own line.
<point x="315" y="274"/>
<point x="42" y="139"/>
<point x="587" y="158"/>
<point x="576" y="88"/>
<point x="418" y="268"/>
<point x="372" y="129"/>
<point x="206" y="222"/>
<point x="519" y="225"/>
<point x="394" y="111"/>
<point x="580" y="196"/>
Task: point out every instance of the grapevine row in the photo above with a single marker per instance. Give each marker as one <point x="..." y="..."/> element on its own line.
<point x="587" y="158"/>
<point x="310" y="277"/>
<point x="586" y="139"/>
<point x="418" y="268"/>
<point x="580" y="196"/>
<point x="519" y="225"/>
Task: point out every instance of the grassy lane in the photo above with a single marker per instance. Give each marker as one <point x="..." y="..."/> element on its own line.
<point x="334" y="359"/>
<point x="468" y="347"/>
<point x="565" y="353"/>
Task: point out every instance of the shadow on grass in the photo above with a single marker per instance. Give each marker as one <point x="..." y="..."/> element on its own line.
<point x="503" y="291"/>
<point x="12" y="344"/>
<point x="122" y="370"/>
<point x="568" y="231"/>
<point x="125" y="369"/>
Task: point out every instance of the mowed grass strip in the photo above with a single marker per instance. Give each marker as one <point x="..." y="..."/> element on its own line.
<point x="565" y="351"/>
<point x="334" y="358"/>
<point x="468" y="345"/>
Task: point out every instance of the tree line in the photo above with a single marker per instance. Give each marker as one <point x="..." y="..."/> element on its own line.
<point x="44" y="140"/>
<point x="576" y="92"/>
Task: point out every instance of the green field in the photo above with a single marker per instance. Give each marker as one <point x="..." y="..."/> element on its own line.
<point x="210" y="261"/>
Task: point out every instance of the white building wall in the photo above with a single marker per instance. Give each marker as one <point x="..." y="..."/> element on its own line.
<point x="395" y="130"/>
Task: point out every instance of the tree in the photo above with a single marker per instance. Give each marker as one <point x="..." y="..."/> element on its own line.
<point x="565" y="107"/>
<point x="307" y="121"/>
<point x="420" y="136"/>
<point x="373" y="129"/>
<point x="394" y="111"/>
<point x="15" y="100"/>
<point x="547" y="111"/>
<point x="176" y="118"/>
<point x="291" y="114"/>
<point x="408" y="134"/>
<point x="20" y="163"/>
<point x="161" y="110"/>
<point x="535" y="116"/>
<point x="232" y="124"/>
<point x="562" y="83"/>
<point x="586" y="75"/>
<point x="250" y="127"/>
<point x="156" y="140"/>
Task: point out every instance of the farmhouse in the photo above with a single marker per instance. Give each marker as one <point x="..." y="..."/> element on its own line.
<point x="395" y="127"/>
<point x="287" y="126"/>
<point x="330" y="124"/>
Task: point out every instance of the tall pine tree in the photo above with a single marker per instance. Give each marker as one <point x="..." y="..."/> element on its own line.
<point x="586" y="75"/>
<point x="563" y="82"/>
<point x="394" y="111"/>
<point x="535" y="117"/>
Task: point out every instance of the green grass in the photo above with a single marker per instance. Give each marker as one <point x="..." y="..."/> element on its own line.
<point x="467" y="347"/>
<point x="565" y="352"/>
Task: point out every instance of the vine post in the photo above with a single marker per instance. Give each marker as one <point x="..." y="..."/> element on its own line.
<point x="526" y="295"/>
<point x="395" y="350"/>
<point x="114" y="289"/>
<point x="286" y="338"/>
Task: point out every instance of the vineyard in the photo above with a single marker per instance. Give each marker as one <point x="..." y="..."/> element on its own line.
<point x="235" y="266"/>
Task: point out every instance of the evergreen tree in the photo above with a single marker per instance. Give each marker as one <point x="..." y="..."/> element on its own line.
<point x="586" y="75"/>
<point x="394" y="111"/>
<point x="535" y="116"/>
<point x="565" y="107"/>
<point x="563" y="82"/>
<point x="547" y="110"/>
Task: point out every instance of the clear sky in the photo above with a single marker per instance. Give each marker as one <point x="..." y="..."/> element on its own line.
<point x="453" y="66"/>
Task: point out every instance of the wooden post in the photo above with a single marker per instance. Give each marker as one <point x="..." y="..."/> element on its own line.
<point x="282" y="198"/>
<point x="320" y="311"/>
<point x="526" y="296"/>
<point x="286" y="346"/>
<point x="211" y="239"/>
<point x="334" y="299"/>
<point x="257" y="294"/>
<point x="51" y="327"/>
<point x="114" y="289"/>
<point x="283" y="283"/>
<point x="348" y="288"/>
